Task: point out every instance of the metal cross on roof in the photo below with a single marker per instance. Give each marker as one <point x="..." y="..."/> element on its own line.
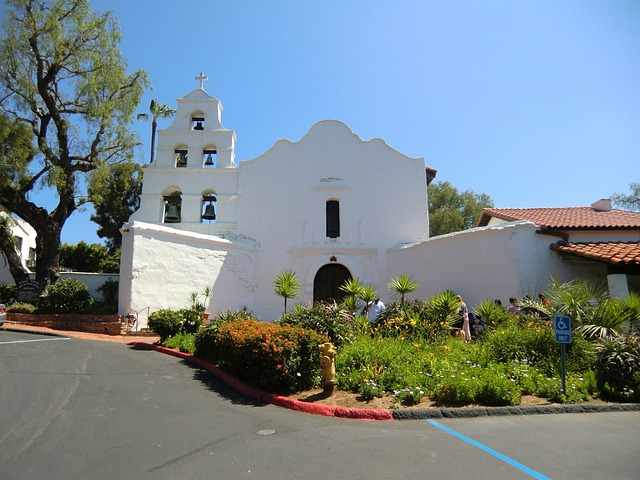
<point x="202" y="78"/>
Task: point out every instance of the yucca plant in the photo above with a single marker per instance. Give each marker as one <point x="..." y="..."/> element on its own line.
<point x="368" y="294"/>
<point x="617" y="367"/>
<point x="402" y="285"/>
<point x="575" y="299"/>
<point x="286" y="285"/>
<point x="632" y="307"/>
<point x="494" y="314"/>
<point x="605" y="320"/>
<point x="352" y="287"/>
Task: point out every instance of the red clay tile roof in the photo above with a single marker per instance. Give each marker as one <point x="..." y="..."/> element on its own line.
<point x="616" y="253"/>
<point x="566" y="217"/>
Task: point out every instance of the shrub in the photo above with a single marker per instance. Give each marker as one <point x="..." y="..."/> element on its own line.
<point x="191" y="320"/>
<point x="328" y="319"/>
<point x="109" y="291"/>
<point x="204" y="341"/>
<point x="278" y="358"/>
<point x="242" y="313"/>
<point x="533" y="341"/>
<point x="66" y="296"/>
<point x="426" y="320"/>
<point x="494" y="315"/>
<point x="183" y="342"/>
<point x="22" y="308"/>
<point x="380" y="364"/>
<point x="8" y="291"/>
<point x="486" y="387"/>
<point x="165" y="323"/>
<point x="409" y="396"/>
<point x="618" y="368"/>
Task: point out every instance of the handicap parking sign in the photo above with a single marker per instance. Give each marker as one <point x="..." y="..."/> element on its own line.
<point x="562" y="326"/>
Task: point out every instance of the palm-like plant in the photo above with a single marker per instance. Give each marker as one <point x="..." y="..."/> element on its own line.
<point x="575" y="299"/>
<point x="157" y="110"/>
<point x="402" y="285"/>
<point x="606" y="320"/>
<point x="368" y="294"/>
<point x="352" y="287"/>
<point x="286" y="285"/>
<point x="632" y="307"/>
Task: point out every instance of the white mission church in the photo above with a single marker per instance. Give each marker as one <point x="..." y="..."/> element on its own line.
<point x="329" y="207"/>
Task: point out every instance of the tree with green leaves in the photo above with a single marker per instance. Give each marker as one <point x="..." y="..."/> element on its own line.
<point x="115" y="191"/>
<point x="286" y="285"/>
<point x="628" y="202"/>
<point x="157" y="110"/>
<point x="84" y="257"/>
<point x="65" y="81"/>
<point x="451" y="210"/>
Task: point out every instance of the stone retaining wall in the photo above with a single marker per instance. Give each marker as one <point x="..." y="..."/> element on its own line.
<point x="77" y="322"/>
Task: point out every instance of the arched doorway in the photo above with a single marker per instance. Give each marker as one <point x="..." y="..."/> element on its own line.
<point x="327" y="283"/>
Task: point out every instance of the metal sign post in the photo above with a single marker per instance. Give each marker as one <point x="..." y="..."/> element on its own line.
<point x="562" y="326"/>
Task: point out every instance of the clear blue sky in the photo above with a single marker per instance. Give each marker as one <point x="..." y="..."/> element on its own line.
<point x="535" y="103"/>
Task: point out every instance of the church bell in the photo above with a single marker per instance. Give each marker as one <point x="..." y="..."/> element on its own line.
<point x="172" y="215"/>
<point x="209" y="161"/>
<point x="209" y="212"/>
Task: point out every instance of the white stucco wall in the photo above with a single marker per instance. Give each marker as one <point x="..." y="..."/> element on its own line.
<point x="502" y="261"/>
<point x="165" y="265"/>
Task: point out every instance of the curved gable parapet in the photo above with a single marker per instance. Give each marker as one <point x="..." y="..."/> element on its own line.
<point x="198" y="94"/>
<point x="332" y="136"/>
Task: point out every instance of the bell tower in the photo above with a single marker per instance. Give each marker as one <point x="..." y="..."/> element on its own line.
<point x="192" y="183"/>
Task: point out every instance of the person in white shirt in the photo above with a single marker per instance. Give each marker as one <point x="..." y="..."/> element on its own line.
<point x="373" y="310"/>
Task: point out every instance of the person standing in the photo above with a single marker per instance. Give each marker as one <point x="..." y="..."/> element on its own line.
<point x="373" y="309"/>
<point x="465" y="333"/>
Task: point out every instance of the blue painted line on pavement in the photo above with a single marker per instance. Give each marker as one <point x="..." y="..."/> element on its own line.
<point x="491" y="451"/>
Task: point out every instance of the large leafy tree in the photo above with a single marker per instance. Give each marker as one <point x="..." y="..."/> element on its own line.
<point x="115" y="191"/>
<point x="628" y="202"/>
<point x="16" y="151"/>
<point x="63" y="77"/>
<point x="83" y="257"/>
<point x="451" y="210"/>
<point x="157" y="110"/>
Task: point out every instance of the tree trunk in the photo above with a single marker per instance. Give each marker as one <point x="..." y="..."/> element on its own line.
<point x="154" y="126"/>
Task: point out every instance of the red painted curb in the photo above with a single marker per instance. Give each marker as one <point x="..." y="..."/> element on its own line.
<point x="279" y="400"/>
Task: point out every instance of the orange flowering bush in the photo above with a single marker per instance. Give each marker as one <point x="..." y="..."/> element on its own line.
<point x="277" y="358"/>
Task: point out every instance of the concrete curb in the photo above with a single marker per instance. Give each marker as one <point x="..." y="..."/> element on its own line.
<point x="384" y="414"/>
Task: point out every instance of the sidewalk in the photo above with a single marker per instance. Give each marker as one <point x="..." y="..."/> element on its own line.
<point x="18" y="327"/>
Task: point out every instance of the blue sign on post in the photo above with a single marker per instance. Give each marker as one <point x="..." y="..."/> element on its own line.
<point x="563" y="329"/>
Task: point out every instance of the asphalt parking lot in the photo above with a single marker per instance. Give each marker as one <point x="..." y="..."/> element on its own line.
<point x="72" y="408"/>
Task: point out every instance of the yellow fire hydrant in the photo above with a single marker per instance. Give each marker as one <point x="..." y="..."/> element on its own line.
<point x="327" y="355"/>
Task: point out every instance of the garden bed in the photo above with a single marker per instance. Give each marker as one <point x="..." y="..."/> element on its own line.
<point x="341" y="398"/>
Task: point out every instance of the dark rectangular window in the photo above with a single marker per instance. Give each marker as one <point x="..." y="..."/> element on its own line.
<point x="333" y="219"/>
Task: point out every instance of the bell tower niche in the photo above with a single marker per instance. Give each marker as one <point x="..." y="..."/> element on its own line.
<point x="197" y="132"/>
<point x="193" y="182"/>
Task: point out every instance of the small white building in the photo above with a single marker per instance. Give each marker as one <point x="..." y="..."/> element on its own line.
<point x="26" y="247"/>
<point x="330" y="206"/>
